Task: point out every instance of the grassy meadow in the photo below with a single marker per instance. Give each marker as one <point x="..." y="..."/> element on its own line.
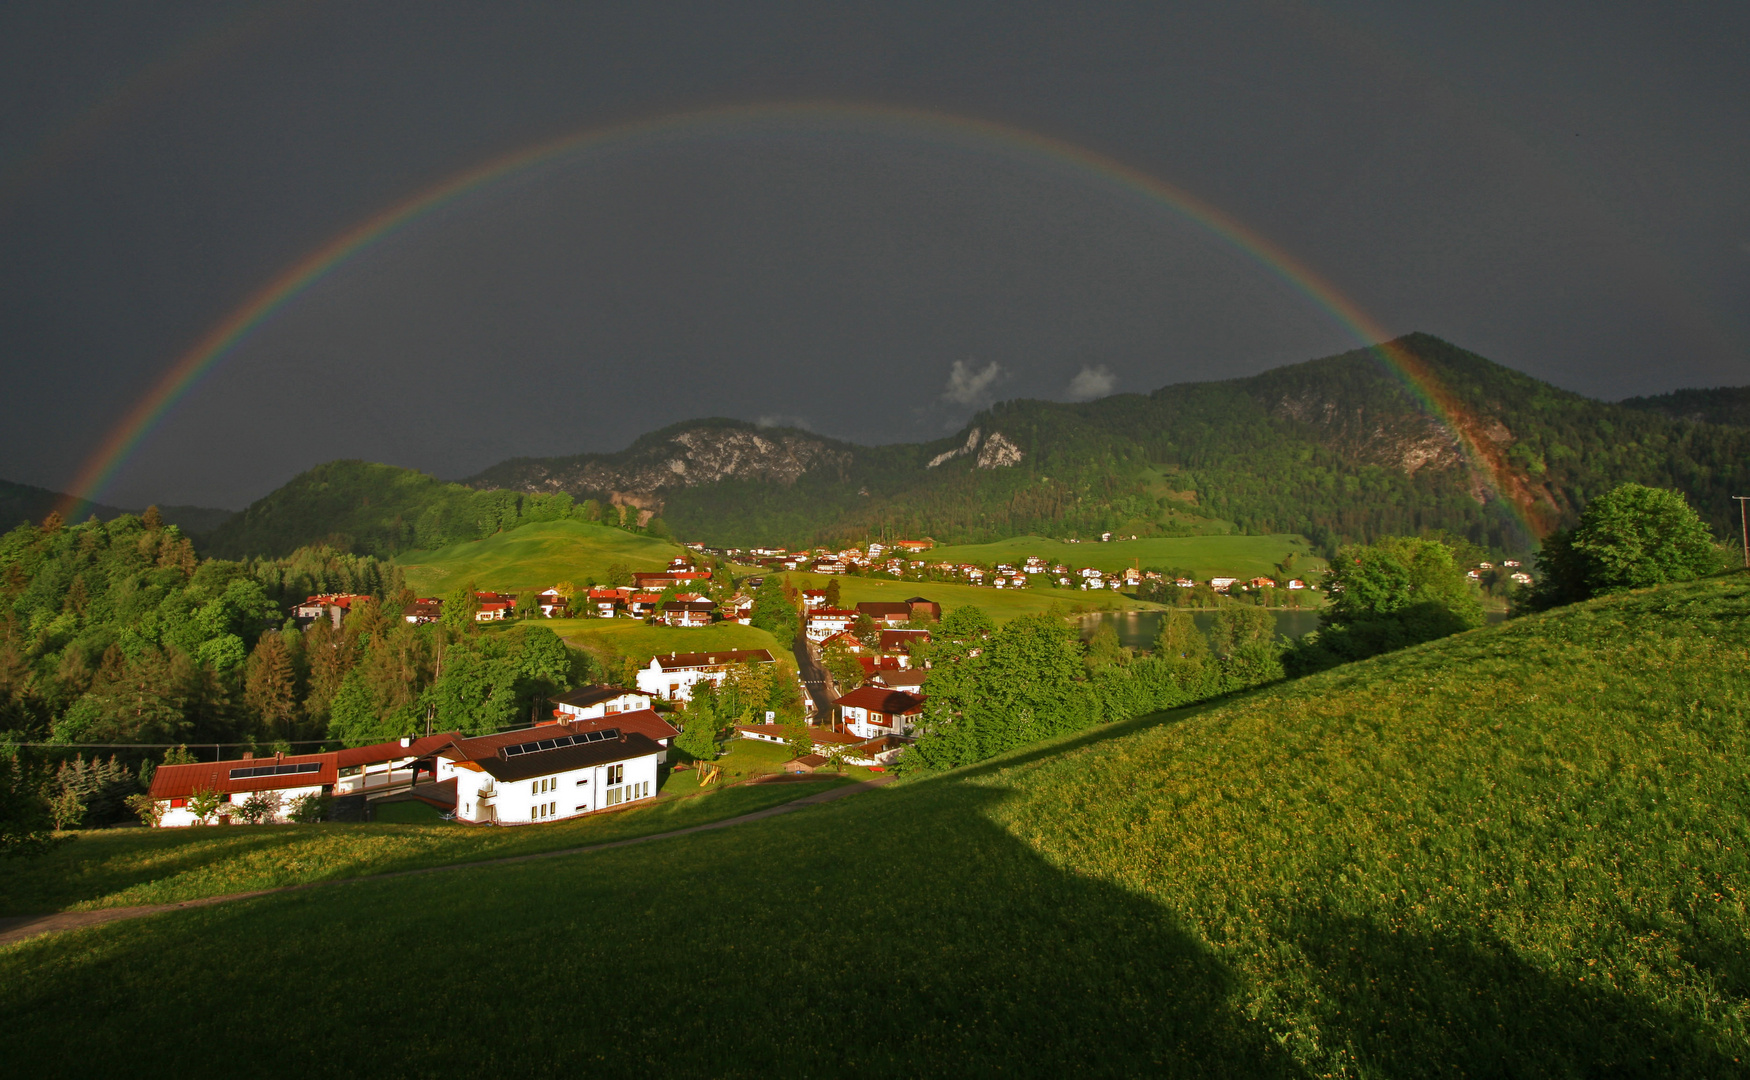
<point x="640" y="641"/>
<point x="1204" y="556"/>
<point x="121" y="867"/>
<point x="534" y="557"/>
<point x="1518" y="851"/>
<point x="1002" y="604"/>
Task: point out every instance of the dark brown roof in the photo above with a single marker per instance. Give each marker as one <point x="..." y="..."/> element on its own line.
<point x="882" y="609"/>
<point x="902" y="678"/>
<point x="882" y="699"/>
<point x="585" y="696"/>
<point x="562" y="759"/>
<point x="388" y="751"/>
<point x="817" y="735"/>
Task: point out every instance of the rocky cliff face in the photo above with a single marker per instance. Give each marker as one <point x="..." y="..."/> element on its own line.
<point x="684" y="456"/>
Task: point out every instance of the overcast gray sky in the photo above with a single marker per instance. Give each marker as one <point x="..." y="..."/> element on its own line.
<point x="1558" y="187"/>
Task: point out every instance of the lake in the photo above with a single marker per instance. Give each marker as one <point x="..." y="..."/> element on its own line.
<point x="1137" y="629"/>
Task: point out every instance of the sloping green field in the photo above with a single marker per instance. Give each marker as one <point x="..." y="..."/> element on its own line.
<point x="1204" y="556"/>
<point x="1519" y="851"/>
<point x="640" y="641"/>
<point x="535" y="557"/>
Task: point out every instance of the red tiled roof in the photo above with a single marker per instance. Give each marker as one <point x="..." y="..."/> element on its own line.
<point x="818" y="735"/>
<point x="882" y="699"/>
<point x="181" y="781"/>
<point x="644" y="722"/>
<point x="388" y="751"/>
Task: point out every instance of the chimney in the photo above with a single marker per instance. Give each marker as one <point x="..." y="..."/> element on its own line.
<point x="248" y="755"/>
<point x="279" y="755"/>
<point x="405" y="741"/>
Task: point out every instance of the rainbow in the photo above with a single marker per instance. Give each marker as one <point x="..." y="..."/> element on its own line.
<point x="186" y="372"/>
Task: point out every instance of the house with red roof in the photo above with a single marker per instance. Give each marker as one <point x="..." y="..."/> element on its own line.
<point x="872" y="711"/>
<point x="824" y="622"/>
<point x="672" y="677"/>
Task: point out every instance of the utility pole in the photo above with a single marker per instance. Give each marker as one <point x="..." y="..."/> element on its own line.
<point x="1744" y="527"/>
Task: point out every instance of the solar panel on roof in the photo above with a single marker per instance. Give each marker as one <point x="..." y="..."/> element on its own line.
<point x="555" y="744"/>
<point x="249" y="772"/>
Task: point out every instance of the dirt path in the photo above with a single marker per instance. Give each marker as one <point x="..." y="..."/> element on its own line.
<point x="21" y="927"/>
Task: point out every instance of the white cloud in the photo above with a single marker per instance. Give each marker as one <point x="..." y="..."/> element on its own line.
<point x="967" y="386"/>
<point x="1091" y="382"/>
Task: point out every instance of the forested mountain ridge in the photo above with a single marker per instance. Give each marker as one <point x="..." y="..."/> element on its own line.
<point x="1338" y="449"/>
<point x="26" y="502"/>
<point x="1719" y="405"/>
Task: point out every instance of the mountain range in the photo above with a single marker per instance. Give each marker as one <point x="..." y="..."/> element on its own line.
<point x="23" y="502"/>
<point x="1338" y="449"/>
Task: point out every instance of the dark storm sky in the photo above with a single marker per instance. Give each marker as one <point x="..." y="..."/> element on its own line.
<point x="1562" y="188"/>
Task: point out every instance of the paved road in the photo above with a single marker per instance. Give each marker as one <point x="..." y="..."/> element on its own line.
<point x="814" y="680"/>
<point x="22" y="927"/>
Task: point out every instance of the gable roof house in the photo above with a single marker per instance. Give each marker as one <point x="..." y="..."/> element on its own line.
<point x="824" y="622"/>
<point x="597" y="701"/>
<point x="548" y="773"/>
<point x="872" y="711"/>
<point x="332" y="605"/>
<point x="688" y="613"/>
<point x="672" y="677"/>
<point x="425" y="609"/>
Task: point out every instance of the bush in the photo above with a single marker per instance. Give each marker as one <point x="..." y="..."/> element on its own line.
<point x="1630" y="538"/>
<point x="262" y="807"/>
<point x="311" y="809"/>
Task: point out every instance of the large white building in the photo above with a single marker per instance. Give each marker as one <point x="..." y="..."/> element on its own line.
<point x="548" y="773"/>
<point x="673" y="677"/>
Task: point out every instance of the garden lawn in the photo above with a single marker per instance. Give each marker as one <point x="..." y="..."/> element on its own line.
<point x="122" y="867"/>
<point x="534" y="557"/>
<point x="1204" y="556"/>
<point x="1517" y="851"/>
<point x="1001" y="604"/>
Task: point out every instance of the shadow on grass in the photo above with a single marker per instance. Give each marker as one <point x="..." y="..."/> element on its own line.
<point x="828" y="943"/>
<point x="907" y="935"/>
<point x="1410" y="1004"/>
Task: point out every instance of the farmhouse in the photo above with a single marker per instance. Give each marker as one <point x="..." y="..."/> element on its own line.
<point x="554" y="604"/>
<point x="916" y="609"/>
<point x="547" y="773"/>
<point x="672" y="677"/>
<point x="657" y="582"/>
<point x="688" y="613"/>
<point x="425" y="609"/>
<point x="332" y="605"/>
<point x="609" y="602"/>
<point x="902" y="642"/>
<point x="871" y="711"/>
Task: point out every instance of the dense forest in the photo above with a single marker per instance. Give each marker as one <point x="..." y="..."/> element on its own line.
<point x="116" y="632"/>
<point x="381" y="510"/>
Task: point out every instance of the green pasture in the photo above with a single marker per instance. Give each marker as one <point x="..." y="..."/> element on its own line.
<point x="120" y="867"/>
<point x="1518" y="851"/>
<point x="1002" y="604"/>
<point x="535" y="557"/>
<point x="640" y="641"/>
<point x="1204" y="556"/>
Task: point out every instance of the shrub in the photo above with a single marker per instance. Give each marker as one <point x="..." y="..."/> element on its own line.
<point x="1629" y="538"/>
<point x="147" y="809"/>
<point x="311" y="809"/>
<point x="262" y="807"/>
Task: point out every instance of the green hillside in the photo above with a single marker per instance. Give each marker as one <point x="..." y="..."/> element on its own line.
<point x="1518" y="851"/>
<point x="1204" y="556"/>
<point x="375" y="510"/>
<point x="535" y="557"/>
<point x="1719" y="405"/>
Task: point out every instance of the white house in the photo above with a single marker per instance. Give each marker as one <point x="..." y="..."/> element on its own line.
<point x="595" y="702"/>
<point x="1221" y="584"/>
<point x="672" y="677"/>
<point x="824" y="622"/>
<point x="548" y="773"/>
<point x="871" y="711"/>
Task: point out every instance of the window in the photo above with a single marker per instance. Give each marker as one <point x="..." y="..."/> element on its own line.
<point x="177" y="804"/>
<point x="616" y="774"/>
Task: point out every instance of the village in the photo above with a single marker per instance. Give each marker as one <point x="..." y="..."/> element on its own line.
<point x="606" y="747"/>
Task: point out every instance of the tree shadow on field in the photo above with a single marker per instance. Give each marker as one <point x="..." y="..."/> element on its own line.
<point x="912" y="937"/>
<point x="1466" y="1005"/>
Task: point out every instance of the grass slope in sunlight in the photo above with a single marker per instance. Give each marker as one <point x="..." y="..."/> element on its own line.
<point x="1517" y="851"/>
<point x="640" y="640"/>
<point x="1204" y="556"/>
<point x="534" y="557"/>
